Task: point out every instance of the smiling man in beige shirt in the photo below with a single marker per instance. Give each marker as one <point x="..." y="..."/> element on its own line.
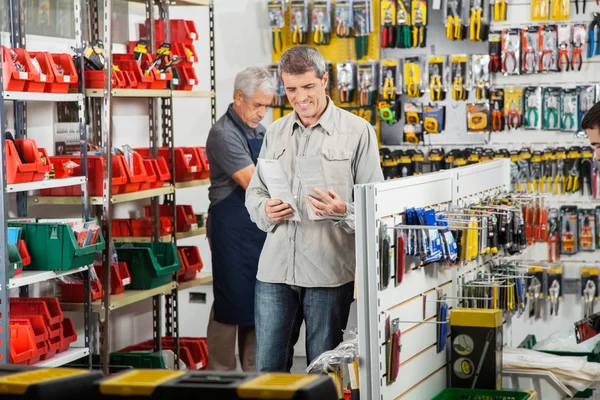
<point x="306" y="268"/>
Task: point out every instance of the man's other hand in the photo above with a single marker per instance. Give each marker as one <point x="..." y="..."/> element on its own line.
<point x="277" y="210"/>
<point x="328" y="204"/>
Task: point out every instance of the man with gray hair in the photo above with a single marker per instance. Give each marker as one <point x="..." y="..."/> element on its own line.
<point x="306" y="268"/>
<point x="232" y="147"/>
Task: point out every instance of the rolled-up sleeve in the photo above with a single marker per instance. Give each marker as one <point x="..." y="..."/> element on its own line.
<point x="366" y="169"/>
<point x="257" y="194"/>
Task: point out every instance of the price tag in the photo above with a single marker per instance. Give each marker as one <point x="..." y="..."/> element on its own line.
<point x="193" y="35"/>
<point x="163" y="76"/>
<point x="194" y="227"/>
<point x="43" y="77"/>
<point x="67" y="78"/>
<point x="192" y="81"/>
<point x="175" y="81"/>
<point x="126" y="281"/>
<point x="23" y="75"/>
<point x="192" y="59"/>
<point x="193" y="168"/>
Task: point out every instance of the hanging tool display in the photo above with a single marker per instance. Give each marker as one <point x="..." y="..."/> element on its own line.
<point x="442" y="323"/>
<point x="480" y="66"/>
<point x="530" y="42"/>
<point x="277" y="9"/>
<point x="389" y="107"/>
<point x="497" y="104"/>
<point x="555" y="288"/>
<point x="568" y="110"/>
<point x="388" y="24"/>
<point x="454" y="27"/>
<point x="495" y="51"/>
<point x="419" y="21"/>
<point x="560" y="10"/>
<point x="413" y="86"/>
<point x="589" y="290"/>
<point x="594" y="36"/>
<point x="478" y="20"/>
<point x="513" y="107"/>
<point x="299" y="20"/>
<point x="403" y="25"/>
<point x="553" y="235"/>
<point x="343" y="18"/>
<point x="437" y="86"/>
<point x="533" y="107"/>
<point x="478" y="118"/>
<point x="551" y="120"/>
<point x="400" y="254"/>
<point x="587" y="98"/>
<point x="535" y="292"/>
<point x="539" y="10"/>
<point x="363" y="26"/>
<point x="587" y="328"/>
<point x="568" y="230"/>
<point x="433" y="119"/>
<point x="549" y="47"/>
<point x="385" y="256"/>
<point x="587" y="229"/>
<point x="367" y="83"/>
<point x="511" y="51"/>
<point x="499" y="10"/>
<point x="564" y="47"/>
<point x="458" y="71"/>
<point x="346" y="78"/>
<point x="579" y="37"/>
<point x="321" y="26"/>
<point x="279" y="98"/>
<point x="393" y="337"/>
<point x="413" y="128"/>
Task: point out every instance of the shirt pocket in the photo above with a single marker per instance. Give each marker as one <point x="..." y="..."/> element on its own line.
<point x="275" y="154"/>
<point x="337" y="167"/>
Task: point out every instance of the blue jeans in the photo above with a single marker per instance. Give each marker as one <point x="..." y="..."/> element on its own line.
<point x="279" y="310"/>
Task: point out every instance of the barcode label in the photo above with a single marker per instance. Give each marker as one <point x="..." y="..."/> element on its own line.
<point x="126" y="281"/>
<point x="194" y="168"/>
<point x="192" y="81"/>
<point x="67" y="78"/>
<point x="23" y="75"/>
<point x="43" y="77"/>
<point x="163" y="76"/>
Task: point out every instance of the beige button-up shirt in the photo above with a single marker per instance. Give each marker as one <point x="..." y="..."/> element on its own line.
<point x="314" y="253"/>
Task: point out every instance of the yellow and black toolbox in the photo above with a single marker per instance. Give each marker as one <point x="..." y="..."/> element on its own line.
<point x="182" y="385"/>
<point x="23" y="382"/>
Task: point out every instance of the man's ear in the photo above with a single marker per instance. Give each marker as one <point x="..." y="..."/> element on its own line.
<point x="238" y="97"/>
<point x="325" y="79"/>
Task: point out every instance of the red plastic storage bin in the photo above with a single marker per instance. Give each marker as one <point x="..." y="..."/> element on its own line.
<point x="183" y="31"/>
<point x="126" y="62"/>
<point x="14" y="81"/>
<point x="161" y="79"/>
<point x="69" y="335"/>
<point x="191" y="263"/>
<point x="22" y="342"/>
<point x="24" y="253"/>
<point x="186" y="219"/>
<point x="205" y="173"/>
<point x="68" y="77"/>
<point x="34" y="81"/>
<point x="187" y="161"/>
<point x="46" y="78"/>
<point x="94" y="79"/>
<point x="54" y="345"/>
<point x="121" y="227"/>
<point x="163" y="173"/>
<point x="16" y="170"/>
<point x="119" y="276"/>
<point x="42" y="349"/>
<point x="143" y="227"/>
<point x="36" y="155"/>
<point x="150" y="181"/>
<point x="187" y="78"/>
<point x="38" y="325"/>
<point x="136" y="173"/>
<point x="119" y="79"/>
<point x="186" y="52"/>
<point x="73" y="292"/>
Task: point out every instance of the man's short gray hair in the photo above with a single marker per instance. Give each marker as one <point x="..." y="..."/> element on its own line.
<point x="252" y="78"/>
<point x="299" y="60"/>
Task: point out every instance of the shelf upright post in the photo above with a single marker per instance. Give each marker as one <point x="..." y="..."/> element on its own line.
<point x="4" y="278"/>
<point x="18" y="34"/>
<point x="172" y="299"/>
<point x="213" y="82"/>
<point x="106" y="123"/>
<point x="80" y="14"/>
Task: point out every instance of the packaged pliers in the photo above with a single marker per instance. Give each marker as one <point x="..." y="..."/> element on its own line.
<point x="511" y="49"/>
<point x="594" y="36"/>
<point x="533" y="102"/>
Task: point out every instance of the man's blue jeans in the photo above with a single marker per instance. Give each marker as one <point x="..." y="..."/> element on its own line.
<point x="279" y="310"/>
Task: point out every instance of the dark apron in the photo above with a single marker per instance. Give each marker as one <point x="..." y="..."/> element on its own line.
<point x="236" y="243"/>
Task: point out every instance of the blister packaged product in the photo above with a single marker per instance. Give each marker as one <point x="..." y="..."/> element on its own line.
<point x="569" y="237"/>
<point x="368" y="82"/>
<point x="437" y="83"/>
<point x="530" y="38"/>
<point x="346" y="78"/>
<point x="413" y="76"/>
<point x="478" y="118"/>
<point x="587" y="229"/>
<point x="533" y="107"/>
<point x="321" y="17"/>
<point x="549" y="48"/>
<point x="344" y="19"/>
<point x="564" y="47"/>
<point x="587" y="98"/>
<point x="495" y="51"/>
<point x="433" y="119"/>
<point x="511" y="51"/>
<point x="551" y="106"/>
<point x="435" y="242"/>
<point x="513" y="107"/>
<point x="299" y="20"/>
<point x="480" y="76"/>
<point x="568" y="110"/>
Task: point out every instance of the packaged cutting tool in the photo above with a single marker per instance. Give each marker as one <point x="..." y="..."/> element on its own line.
<point x="587" y="98"/>
<point x="549" y="48"/>
<point x="495" y="51"/>
<point x="587" y="229"/>
<point x="511" y="51"/>
<point x="589" y="289"/>
<point x="419" y="21"/>
<point x="579" y="39"/>
<point x="299" y="20"/>
<point x="480" y="76"/>
<point x="540" y="10"/>
<point x="560" y="10"/>
<point x="389" y="107"/>
<point x="568" y="110"/>
<point x="479" y="20"/>
<point x="437" y="84"/>
<point x="478" y="118"/>
<point x="499" y="10"/>
<point x="393" y="347"/>
<point x="433" y="119"/>
<point x="513" y="107"/>
<point x="564" y="47"/>
<point x="330" y="73"/>
<point x="363" y="26"/>
<point x="551" y="106"/>
<point x="404" y="25"/>
<point x="413" y="84"/>
<point x="346" y="78"/>
<point x="458" y="73"/>
<point x="321" y="18"/>
<point x="555" y="287"/>
<point x="497" y="108"/>
<point x="344" y="19"/>
<point x="533" y="107"/>
<point x="388" y="23"/>
<point x="436" y="159"/>
<point x="453" y="17"/>
<point x="279" y="98"/>
<point x="568" y="230"/>
<point x="367" y="83"/>
<point x="530" y="42"/>
<point x="277" y="9"/>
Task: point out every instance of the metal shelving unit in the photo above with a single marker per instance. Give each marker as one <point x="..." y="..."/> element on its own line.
<point x="17" y="23"/>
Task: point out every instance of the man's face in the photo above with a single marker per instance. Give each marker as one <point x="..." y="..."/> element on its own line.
<point x="594" y="137"/>
<point x="252" y="110"/>
<point x="306" y="93"/>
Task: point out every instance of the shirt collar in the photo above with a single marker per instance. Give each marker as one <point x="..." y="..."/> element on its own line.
<point x="326" y="121"/>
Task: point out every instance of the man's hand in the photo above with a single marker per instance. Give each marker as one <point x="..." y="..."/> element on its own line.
<point x="277" y="210"/>
<point x="330" y="203"/>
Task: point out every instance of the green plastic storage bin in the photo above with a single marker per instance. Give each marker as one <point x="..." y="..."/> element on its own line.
<point x="82" y="363"/>
<point x="52" y="246"/>
<point x="150" y="264"/>
<point x="478" y="394"/>
<point x="14" y="259"/>
<point x="138" y="360"/>
<point x="592" y="356"/>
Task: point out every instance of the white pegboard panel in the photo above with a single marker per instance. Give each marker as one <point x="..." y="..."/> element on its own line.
<point x="479" y="179"/>
<point x="427" y="388"/>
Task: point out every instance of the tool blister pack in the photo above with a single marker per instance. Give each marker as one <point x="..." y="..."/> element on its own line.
<point x="404" y="25"/>
<point x="434" y="119"/>
<point x="279" y="98"/>
<point x="368" y="83"/>
<point x="299" y="19"/>
<point x="413" y="79"/>
<point x="594" y="36"/>
<point x="511" y="51"/>
<point x="530" y="42"/>
<point x="549" y="48"/>
<point x="480" y="76"/>
<point x="330" y="73"/>
<point x="458" y="74"/>
<point x="499" y="12"/>
<point x="344" y="19"/>
<point x="540" y="10"/>
<point x="533" y="107"/>
<point x="568" y="230"/>
<point x="587" y="229"/>
<point x="513" y="107"/>
<point x="536" y="291"/>
<point x="586" y="168"/>
<point x="437" y="65"/>
<point x="495" y="51"/>
<point x="362" y="26"/>
<point x="551" y="120"/>
<point x="497" y="106"/>
<point x="389" y="106"/>
<point x="589" y="289"/>
<point x="454" y="19"/>
<point x="419" y="16"/>
<point x="579" y="38"/>
<point x="553" y="235"/>
<point x="478" y="118"/>
<point x="555" y="287"/>
<point x="560" y="10"/>
<point x="413" y="128"/>
<point x="388" y="23"/>
<point x="568" y="110"/>
<point x="564" y="47"/>
<point x="321" y="22"/>
<point x="277" y="9"/>
<point x="393" y="349"/>
<point x="346" y="81"/>
<point x="479" y="20"/>
<point x="587" y="98"/>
